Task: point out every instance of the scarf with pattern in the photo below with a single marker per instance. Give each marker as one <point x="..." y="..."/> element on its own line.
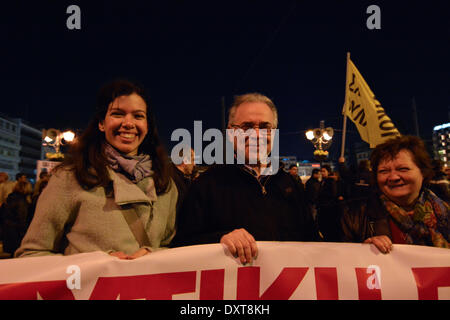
<point x="426" y="224"/>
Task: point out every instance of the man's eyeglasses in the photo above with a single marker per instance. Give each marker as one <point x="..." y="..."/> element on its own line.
<point x="250" y="125"/>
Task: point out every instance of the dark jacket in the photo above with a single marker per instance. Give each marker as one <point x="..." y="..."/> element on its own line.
<point x="312" y="187"/>
<point x="227" y="197"/>
<point x="367" y="218"/>
<point x="299" y="181"/>
<point x="15" y="212"/>
<point x="328" y="193"/>
<point x="356" y="185"/>
<point x="183" y="184"/>
<point x="328" y="215"/>
<point x="440" y="186"/>
<point x="364" y="218"/>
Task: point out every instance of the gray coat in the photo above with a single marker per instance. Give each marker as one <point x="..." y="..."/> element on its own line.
<point x="69" y="219"/>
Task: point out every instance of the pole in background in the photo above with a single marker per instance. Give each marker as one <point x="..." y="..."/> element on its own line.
<point x="415" y="120"/>
<point x="344" y="125"/>
<point x="224" y="127"/>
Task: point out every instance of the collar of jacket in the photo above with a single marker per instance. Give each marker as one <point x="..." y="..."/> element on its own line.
<point x="375" y="209"/>
<point x="378" y="217"/>
<point x="252" y="172"/>
<point x="125" y="191"/>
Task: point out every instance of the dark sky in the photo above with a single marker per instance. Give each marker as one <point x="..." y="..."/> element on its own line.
<point x="190" y="54"/>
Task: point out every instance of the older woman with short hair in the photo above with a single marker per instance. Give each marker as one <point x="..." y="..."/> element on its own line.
<point x="402" y="210"/>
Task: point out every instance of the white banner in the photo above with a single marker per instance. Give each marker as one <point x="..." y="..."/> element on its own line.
<point x="282" y="271"/>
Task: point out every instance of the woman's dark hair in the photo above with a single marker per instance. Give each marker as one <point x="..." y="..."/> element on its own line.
<point x="86" y="156"/>
<point x="389" y="150"/>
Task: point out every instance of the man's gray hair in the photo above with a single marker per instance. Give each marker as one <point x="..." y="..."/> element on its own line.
<point x="251" y="97"/>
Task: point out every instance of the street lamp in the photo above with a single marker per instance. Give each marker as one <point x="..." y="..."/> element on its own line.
<point x="321" y="138"/>
<point x="55" y="138"/>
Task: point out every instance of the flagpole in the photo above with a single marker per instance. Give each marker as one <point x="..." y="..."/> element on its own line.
<point x="344" y="126"/>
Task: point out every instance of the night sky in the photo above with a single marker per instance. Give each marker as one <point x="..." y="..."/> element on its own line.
<point x="190" y="54"/>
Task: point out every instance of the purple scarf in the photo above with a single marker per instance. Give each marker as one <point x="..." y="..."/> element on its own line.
<point x="135" y="167"/>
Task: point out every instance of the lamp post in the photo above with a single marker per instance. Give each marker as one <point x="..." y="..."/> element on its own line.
<point x="321" y="138"/>
<point x="55" y="138"/>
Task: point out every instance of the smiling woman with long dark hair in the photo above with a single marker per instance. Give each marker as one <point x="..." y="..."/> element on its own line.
<point x="113" y="192"/>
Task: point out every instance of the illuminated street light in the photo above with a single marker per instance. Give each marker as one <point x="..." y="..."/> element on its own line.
<point x="327" y="136"/>
<point x="55" y="138"/>
<point x="309" y="134"/>
<point x="321" y="138"/>
<point x="68" y="136"/>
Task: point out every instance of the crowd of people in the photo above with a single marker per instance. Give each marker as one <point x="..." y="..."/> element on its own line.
<point x="17" y="204"/>
<point x="116" y="191"/>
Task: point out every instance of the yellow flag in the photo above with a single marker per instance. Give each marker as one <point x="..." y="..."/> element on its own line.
<point x="365" y="111"/>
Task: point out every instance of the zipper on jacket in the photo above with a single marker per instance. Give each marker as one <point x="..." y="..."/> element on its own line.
<point x="263" y="186"/>
<point x="263" y="189"/>
<point x="372" y="228"/>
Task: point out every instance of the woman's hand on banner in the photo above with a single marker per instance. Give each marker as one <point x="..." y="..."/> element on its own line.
<point x="383" y="243"/>
<point x="121" y="255"/>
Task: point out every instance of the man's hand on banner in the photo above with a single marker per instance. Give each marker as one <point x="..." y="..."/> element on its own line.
<point x="241" y="244"/>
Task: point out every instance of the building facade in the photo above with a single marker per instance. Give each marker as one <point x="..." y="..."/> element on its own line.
<point x="9" y="147"/>
<point x="362" y="152"/>
<point x="30" y="149"/>
<point x="441" y="143"/>
<point x="20" y="147"/>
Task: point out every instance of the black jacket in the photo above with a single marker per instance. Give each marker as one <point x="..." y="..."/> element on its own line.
<point x="440" y="186"/>
<point x="312" y="188"/>
<point x="364" y="218"/>
<point x="15" y="212"/>
<point x="356" y="185"/>
<point x="328" y="193"/>
<point x="227" y="197"/>
<point x="182" y="182"/>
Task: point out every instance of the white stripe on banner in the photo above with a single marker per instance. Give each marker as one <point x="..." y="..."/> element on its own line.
<point x="282" y="271"/>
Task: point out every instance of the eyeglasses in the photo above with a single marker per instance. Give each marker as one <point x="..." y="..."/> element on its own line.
<point x="250" y="125"/>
